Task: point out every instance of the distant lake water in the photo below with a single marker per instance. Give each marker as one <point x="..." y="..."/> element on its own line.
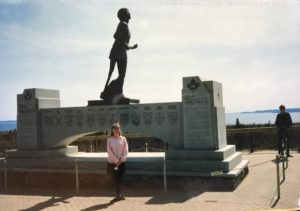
<point x="257" y="118"/>
<point x="244" y="118"/>
<point x="8" y="125"/>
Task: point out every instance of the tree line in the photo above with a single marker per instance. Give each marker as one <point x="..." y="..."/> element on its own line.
<point x="8" y="135"/>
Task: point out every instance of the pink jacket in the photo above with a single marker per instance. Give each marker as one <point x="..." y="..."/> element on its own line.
<point x="117" y="148"/>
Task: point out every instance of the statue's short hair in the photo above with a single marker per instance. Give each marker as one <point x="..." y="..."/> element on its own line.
<point x="122" y="13"/>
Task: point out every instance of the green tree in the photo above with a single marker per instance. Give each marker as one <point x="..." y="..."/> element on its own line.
<point x="237" y="123"/>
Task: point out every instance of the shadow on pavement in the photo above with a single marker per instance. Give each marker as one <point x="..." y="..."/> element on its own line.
<point x="174" y="197"/>
<point x="98" y="207"/>
<point x="184" y="190"/>
<point x="53" y="201"/>
<point x="179" y="190"/>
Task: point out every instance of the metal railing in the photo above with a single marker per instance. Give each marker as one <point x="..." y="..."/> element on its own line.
<point x="250" y="139"/>
<point x="164" y="174"/>
<point x="254" y="139"/>
<point x="5" y="174"/>
<point x="138" y="144"/>
<point x="279" y="180"/>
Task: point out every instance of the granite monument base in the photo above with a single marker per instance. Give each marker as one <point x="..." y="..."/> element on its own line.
<point x="195" y="129"/>
<point x="225" y="162"/>
<point x="216" y="166"/>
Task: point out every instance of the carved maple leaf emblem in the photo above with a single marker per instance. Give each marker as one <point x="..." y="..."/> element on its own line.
<point x="193" y="85"/>
<point x="27" y="95"/>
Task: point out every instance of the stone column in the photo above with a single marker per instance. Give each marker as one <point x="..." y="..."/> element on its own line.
<point x="203" y="114"/>
<point x="28" y="121"/>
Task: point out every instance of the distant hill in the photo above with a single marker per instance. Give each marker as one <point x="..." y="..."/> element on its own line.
<point x="291" y="110"/>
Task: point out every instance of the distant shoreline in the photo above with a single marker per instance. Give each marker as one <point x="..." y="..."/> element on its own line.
<point x="290" y="110"/>
<point x="255" y="117"/>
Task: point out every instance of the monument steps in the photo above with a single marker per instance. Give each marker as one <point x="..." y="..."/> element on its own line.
<point x="235" y="176"/>
<point x="205" y="165"/>
<point x="233" y="160"/>
<point x="236" y="171"/>
<point x="228" y="150"/>
<point x="212" y="155"/>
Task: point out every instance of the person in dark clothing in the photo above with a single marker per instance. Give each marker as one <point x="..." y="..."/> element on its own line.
<point x="118" y="55"/>
<point x="283" y="122"/>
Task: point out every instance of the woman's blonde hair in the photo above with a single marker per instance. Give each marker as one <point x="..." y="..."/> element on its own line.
<point x="114" y="126"/>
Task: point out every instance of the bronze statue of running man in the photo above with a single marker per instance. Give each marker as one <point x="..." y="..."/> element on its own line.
<point x="113" y="91"/>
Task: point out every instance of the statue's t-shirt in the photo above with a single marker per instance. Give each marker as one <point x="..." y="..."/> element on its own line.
<point x="120" y="46"/>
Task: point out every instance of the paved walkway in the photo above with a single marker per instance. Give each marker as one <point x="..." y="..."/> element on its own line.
<point x="256" y="192"/>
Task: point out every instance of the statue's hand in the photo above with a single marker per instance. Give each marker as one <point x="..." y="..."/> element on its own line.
<point x="134" y="46"/>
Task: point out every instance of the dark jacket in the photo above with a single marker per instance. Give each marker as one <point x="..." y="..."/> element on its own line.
<point x="283" y="120"/>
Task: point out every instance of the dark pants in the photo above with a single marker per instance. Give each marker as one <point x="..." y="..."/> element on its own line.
<point x="117" y="175"/>
<point x="282" y="138"/>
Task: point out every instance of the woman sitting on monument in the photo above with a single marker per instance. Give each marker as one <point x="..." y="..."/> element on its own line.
<point x="117" y="149"/>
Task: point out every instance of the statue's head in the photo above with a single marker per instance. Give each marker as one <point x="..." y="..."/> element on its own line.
<point x="124" y="14"/>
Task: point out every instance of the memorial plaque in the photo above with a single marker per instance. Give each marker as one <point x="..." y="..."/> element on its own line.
<point x="27" y="124"/>
<point x="28" y="139"/>
<point x="135" y="116"/>
<point x="68" y="117"/>
<point x="48" y="121"/>
<point x="197" y="121"/>
<point x="58" y="120"/>
<point x="172" y="115"/>
<point x="27" y="132"/>
<point x="90" y="120"/>
<point x="26" y="108"/>
<point x="47" y="118"/>
<point x="124" y="115"/>
<point x="113" y="118"/>
<point x="69" y="120"/>
<point x="159" y="115"/>
<point x="124" y="119"/>
<point x="79" y="120"/>
<point x="147" y="116"/>
<point x="101" y="120"/>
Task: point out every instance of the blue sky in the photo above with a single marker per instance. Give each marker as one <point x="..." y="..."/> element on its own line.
<point x="251" y="47"/>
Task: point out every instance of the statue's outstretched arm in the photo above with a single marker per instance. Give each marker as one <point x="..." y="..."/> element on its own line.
<point x="133" y="47"/>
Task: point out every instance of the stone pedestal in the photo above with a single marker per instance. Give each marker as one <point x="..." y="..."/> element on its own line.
<point x="205" y="148"/>
<point x="28" y="119"/>
<point x="203" y="114"/>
